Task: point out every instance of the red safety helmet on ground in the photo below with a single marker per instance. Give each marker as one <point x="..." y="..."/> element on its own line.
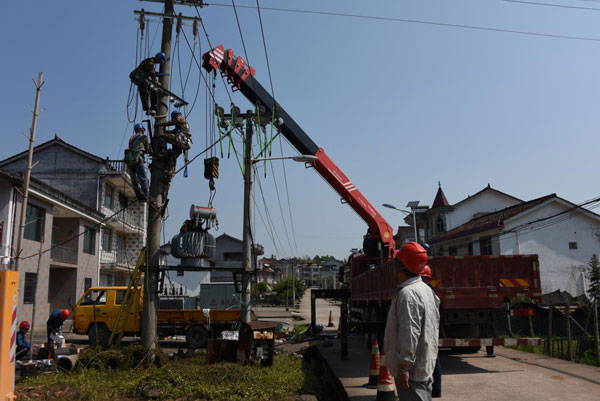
<point x="25" y="325"/>
<point x="426" y="272"/>
<point x="413" y="256"/>
<point x="64" y="314"/>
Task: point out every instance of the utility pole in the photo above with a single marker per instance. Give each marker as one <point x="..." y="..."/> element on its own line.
<point x="157" y="203"/>
<point x="38" y="89"/>
<point x="293" y="289"/>
<point x="247" y="234"/>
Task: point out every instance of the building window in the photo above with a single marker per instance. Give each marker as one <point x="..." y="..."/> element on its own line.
<point x="485" y="245"/>
<point x="89" y="240"/>
<point x="87" y="284"/>
<point x="107" y="239"/>
<point x="572" y="245"/>
<point x="440" y="227"/>
<point x="29" y="291"/>
<point x="123" y="201"/>
<point x="452" y="251"/>
<point x="232" y="256"/>
<point x="34" y="222"/>
<point x="108" y="196"/>
<point x="470" y="249"/>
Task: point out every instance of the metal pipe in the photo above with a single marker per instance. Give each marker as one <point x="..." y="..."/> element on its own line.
<point x="66" y="363"/>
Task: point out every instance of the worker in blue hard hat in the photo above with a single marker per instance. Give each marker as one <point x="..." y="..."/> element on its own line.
<point x="145" y="78"/>
<point x="135" y="161"/>
<point x="180" y="139"/>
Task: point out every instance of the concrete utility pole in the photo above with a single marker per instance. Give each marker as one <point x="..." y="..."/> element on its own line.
<point x="247" y="234"/>
<point x="38" y="89"/>
<point x="157" y="168"/>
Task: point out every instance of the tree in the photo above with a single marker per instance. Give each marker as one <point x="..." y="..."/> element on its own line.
<point x="594" y="294"/>
<point x="284" y="288"/>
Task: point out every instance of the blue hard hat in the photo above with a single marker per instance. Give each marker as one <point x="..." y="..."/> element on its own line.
<point x="161" y="56"/>
<point x="426" y="245"/>
<point x="138" y="127"/>
<point x="175" y="113"/>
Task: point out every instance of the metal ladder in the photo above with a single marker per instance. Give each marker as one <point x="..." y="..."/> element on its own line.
<point x="130" y="296"/>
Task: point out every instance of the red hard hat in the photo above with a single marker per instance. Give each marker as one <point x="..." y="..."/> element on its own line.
<point x="426" y="272"/>
<point x="413" y="256"/>
<point x="25" y="325"/>
<point x="64" y="314"/>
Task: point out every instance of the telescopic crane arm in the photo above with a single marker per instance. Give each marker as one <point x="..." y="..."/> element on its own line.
<point x="241" y="76"/>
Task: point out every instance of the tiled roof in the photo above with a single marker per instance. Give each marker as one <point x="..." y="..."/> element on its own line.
<point x="440" y="199"/>
<point x="488" y="188"/>
<point x="488" y="221"/>
<point x="55" y="141"/>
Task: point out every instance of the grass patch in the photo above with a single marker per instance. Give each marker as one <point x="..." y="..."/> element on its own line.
<point x="560" y="351"/>
<point x="187" y="379"/>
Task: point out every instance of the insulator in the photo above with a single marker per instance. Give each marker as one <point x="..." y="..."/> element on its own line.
<point x="211" y="168"/>
<point x="195" y="27"/>
<point x="201" y="212"/>
<point x="178" y="26"/>
<point x="142" y="22"/>
<point x="194" y="248"/>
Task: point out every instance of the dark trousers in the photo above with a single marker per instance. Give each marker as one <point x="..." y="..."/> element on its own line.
<point x="148" y="97"/>
<point x="139" y="180"/>
<point x="437" y="379"/>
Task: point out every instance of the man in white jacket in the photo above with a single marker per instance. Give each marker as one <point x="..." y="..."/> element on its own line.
<point x="411" y="332"/>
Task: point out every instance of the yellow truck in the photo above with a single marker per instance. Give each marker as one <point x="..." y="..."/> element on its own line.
<point x="96" y="311"/>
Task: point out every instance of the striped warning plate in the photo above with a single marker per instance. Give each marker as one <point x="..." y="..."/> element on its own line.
<point x="514" y="282"/>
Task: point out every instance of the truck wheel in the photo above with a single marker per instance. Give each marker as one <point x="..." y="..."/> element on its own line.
<point x="102" y="337"/>
<point x="196" y="336"/>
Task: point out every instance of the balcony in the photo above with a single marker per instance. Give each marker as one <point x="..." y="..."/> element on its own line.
<point x="63" y="254"/>
<point x="115" y="167"/>
<point x="116" y="258"/>
<point x="124" y="220"/>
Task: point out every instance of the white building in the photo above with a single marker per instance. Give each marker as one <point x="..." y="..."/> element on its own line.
<point x="563" y="235"/>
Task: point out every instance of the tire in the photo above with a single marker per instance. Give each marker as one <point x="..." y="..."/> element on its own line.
<point x="196" y="336"/>
<point x="102" y="337"/>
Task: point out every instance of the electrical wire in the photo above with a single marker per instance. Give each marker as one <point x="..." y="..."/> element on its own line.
<point x="534" y="3"/>
<point x="287" y="192"/>
<point x="545" y="222"/>
<point x="422" y="22"/>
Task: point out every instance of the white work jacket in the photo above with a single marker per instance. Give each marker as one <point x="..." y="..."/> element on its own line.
<point x="412" y="329"/>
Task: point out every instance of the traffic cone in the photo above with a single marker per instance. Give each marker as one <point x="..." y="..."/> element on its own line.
<point x="330" y="324"/>
<point x="374" y="366"/>
<point x="386" y="391"/>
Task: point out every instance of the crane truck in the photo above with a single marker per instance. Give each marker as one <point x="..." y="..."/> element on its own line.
<point x="470" y="288"/>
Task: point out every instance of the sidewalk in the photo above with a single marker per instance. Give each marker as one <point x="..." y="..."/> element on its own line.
<point x="354" y="372"/>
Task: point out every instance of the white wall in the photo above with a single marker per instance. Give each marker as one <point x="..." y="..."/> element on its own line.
<point x="487" y="201"/>
<point x="560" y="267"/>
<point x="190" y="280"/>
<point x="7" y="218"/>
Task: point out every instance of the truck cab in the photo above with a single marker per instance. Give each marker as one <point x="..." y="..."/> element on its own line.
<point x="96" y="311"/>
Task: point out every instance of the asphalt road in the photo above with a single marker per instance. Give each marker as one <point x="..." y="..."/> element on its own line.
<point x="511" y="375"/>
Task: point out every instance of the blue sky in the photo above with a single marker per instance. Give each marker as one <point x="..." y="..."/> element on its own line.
<point x="397" y="106"/>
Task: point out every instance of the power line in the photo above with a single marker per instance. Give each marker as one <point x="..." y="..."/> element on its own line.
<point x="534" y="3"/>
<point x="545" y="222"/>
<point x="287" y="192"/>
<point x="423" y="22"/>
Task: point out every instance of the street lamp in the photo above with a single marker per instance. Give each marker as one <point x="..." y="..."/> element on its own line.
<point x="412" y="205"/>
<point x="299" y="158"/>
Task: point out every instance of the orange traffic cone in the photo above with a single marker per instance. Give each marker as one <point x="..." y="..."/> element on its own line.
<point x="330" y="324"/>
<point x="374" y="366"/>
<point x="386" y="391"/>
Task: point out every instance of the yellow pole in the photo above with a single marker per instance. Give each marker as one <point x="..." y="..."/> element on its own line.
<point x="9" y="284"/>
